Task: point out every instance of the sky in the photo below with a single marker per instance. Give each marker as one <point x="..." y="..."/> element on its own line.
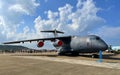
<point x="24" y="19"/>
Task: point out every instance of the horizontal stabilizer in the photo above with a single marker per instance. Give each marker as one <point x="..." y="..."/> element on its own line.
<point x="53" y="31"/>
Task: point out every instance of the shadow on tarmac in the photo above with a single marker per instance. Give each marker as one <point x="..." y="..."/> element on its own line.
<point x="106" y="56"/>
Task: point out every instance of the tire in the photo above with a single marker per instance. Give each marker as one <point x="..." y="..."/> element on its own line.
<point x="61" y="54"/>
<point x="95" y="56"/>
<point x="75" y="53"/>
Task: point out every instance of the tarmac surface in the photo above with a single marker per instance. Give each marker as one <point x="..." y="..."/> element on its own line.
<point x="51" y="64"/>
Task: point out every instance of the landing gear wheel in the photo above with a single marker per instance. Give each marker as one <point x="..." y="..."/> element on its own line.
<point x="95" y="56"/>
<point x="61" y="54"/>
<point x="75" y="53"/>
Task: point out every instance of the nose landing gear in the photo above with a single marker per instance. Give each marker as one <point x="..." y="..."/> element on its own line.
<point x="98" y="56"/>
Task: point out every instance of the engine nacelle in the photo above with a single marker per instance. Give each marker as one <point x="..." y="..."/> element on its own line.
<point x="40" y="44"/>
<point x="58" y="43"/>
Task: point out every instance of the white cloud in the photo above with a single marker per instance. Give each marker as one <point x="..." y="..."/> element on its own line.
<point x="85" y="17"/>
<point x="64" y="12"/>
<point x="11" y="19"/>
<point x="18" y="8"/>
<point x="80" y="21"/>
<point x="109" y="34"/>
<point x="24" y="7"/>
<point x="52" y="15"/>
<point x="79" y="4"/>
<point x="1" y="21"/>
<point x="2" y="26"/>
<point x="11" y="13"/>
<point x="26" y="29"/>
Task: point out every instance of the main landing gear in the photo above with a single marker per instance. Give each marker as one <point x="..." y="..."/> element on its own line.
<point x="69" y="54"/>
<point x="95" y="56"/>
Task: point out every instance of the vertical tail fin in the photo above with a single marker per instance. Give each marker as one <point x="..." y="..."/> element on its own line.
<point x="55" y="32"/>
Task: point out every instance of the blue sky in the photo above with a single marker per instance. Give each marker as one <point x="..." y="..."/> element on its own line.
<point x="24" y="19"/>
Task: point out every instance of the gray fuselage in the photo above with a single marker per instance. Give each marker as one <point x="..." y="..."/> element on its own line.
<point x="86" y="44"/>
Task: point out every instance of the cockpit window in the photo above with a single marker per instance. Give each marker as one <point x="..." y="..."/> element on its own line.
<point x="97" y="38"/>
<point x="92" y="38"/>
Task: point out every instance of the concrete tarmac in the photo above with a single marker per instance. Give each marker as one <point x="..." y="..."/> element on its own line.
<point x="76" y="61"/>
<point x="33" y="65"/>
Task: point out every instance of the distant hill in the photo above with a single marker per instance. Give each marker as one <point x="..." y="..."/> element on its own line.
<point x="12" y="47"/>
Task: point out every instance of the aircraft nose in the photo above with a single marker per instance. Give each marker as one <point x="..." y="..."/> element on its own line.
<point x="104" y="46"/>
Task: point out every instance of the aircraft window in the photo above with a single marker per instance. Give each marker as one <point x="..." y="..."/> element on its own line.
<point x="92" y="38"/>
<point x="97" y="38"/>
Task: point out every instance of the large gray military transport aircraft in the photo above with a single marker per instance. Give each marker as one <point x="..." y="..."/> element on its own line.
<point x="71" y="44"/>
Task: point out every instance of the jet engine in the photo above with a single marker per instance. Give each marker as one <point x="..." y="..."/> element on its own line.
<point x="58" y="43"/>
<point x="40" y="44"/>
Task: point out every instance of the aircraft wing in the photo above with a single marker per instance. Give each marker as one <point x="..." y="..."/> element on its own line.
<point x="64" y="39"/>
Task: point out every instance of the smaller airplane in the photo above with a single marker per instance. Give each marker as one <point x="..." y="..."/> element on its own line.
<point x="70" y="44"/>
